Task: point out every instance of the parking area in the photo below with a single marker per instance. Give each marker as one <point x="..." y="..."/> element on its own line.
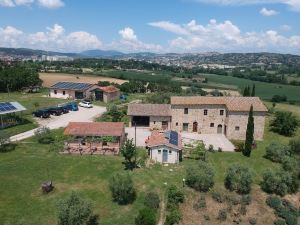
<point x="55" y="122"/>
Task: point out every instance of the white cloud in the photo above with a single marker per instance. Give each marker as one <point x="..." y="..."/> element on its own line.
<point x="226" y="37"/>
<point x="53" y="39"/>
<point x="129" y="42"/>
<point x="267" y="12"/>
<point x="286" y="27"/>
<point x="293" y="4"/>
<point x="51" y="4"/>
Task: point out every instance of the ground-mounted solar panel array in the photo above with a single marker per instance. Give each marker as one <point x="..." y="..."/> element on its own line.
<point x="6" y="107"/>
<point x="173" y="138"/>
<point x="71" y="86"/>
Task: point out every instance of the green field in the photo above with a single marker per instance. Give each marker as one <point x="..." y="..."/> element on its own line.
<point x="263" y="90"/>
<point x="23" y="170"/>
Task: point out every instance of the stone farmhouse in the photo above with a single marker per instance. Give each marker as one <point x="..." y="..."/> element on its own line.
<point x="203" y="115"/>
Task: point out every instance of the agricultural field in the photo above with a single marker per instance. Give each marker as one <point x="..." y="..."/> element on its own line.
<point x="263" y="90"/>
<point x="51" y="78"/>
<point x="24" y="169"/>
<point x="295" y="109"/>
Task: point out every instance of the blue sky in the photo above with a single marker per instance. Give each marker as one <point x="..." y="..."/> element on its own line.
<point x="152" y="25"/>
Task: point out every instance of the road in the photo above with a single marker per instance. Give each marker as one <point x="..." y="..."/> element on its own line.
<point x="55" y="122"/>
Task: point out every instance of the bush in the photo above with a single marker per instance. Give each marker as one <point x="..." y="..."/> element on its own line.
<point x="291" y="164"/>
<point x="73" y="210"/>
<point x="175" y="196"/>
<point x="152" y="200"/>
<point x="252" y="221"/>
<point x="274" y="202"/>
<point x="295" y="145"/>
<point x="279" y="182"/>
<point x="146" y="216"/>
<point x="238" y="145"/>
<point x="243" y="209"/>
<point x="218" y="197"/>
<point x="173" y="217"/>
<point x="201" y="203"/>
<point x="121" y="186"/>
<point x="246" y="199"/>
<point x="44" y="135"/>
<point x="238" y="179"/>
<point x="222" y="215"/>
<point x="279" y="222"/>
<point x="276" y="152"/>
<point x="200" y="177"/>
<point x="284" y="123"/>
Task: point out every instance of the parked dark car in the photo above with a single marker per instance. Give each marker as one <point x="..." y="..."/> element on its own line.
<point x="57" y="111"/>
<point x="71" y="106"/>
<point x="64" y="109"/>
<point x="42" y="113"/>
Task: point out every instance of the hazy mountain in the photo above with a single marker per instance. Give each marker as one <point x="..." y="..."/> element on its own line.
<point x="97" y="53"/>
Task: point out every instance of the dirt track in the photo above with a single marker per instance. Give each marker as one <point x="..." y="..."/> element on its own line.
<point x="51" y="78"/>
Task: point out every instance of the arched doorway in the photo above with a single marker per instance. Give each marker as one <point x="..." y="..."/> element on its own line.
<point x="195" y="127"/>
<point x="220" y="129"/>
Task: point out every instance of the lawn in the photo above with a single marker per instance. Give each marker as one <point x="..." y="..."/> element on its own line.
<point x="23" y="170"/>
<point x="31" y="102"/>
<point x="263" y="90"/>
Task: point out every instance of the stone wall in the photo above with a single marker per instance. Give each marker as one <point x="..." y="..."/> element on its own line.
<point x="156" y="122"/>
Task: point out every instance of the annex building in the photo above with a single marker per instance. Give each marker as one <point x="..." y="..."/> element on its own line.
<point x="203" y="115"/>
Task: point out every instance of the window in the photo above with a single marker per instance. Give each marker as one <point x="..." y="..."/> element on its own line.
<point x="170" y="152"/>
<point x="55" y="92"/>
<point x="177" y="124"/>
<point x="154" y="122"/>
<point x="212" y="124"/>
<point x="205" y="112"/>
<point x="185" y="127"/>
<point x="186" y="111"/>
<point x="159" y="151"/>
<point x="64" y="92"/>
<point x="237" y="128"/>
<point x="221" y="112"/>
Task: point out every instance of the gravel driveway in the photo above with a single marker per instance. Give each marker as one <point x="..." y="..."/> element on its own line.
<point x="55" y="122"/>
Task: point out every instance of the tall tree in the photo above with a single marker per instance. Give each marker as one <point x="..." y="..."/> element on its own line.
<point x="129" y="153"/>
<point x="249" y="134"/>
<point x="246" y="91"/>
<point x="253" y="90"/>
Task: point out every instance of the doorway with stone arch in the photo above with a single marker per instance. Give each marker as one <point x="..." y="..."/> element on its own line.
<point x="195" y="127"/>
<point x="220" y="129"/>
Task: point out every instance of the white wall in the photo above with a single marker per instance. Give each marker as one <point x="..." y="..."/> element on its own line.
<point x="59" y="94"/>
<point x="173" y="157"/>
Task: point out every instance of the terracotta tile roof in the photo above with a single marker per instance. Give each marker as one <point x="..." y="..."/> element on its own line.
<point x="95" y="129"/>
<point x="149" y="110"/>
<point x="159" y="138"/>
<point x="109" y="89"/>
<point x="232" y="103"/>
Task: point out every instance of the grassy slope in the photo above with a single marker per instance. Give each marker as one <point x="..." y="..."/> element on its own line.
<point x="23" y="170"/>
<point x="263" y="90"/>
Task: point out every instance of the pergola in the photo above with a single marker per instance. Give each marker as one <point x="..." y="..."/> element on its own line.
<point x="8" y="112"/>
<point x="104" y="138"/>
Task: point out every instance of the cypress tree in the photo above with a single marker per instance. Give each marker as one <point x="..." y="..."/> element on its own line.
<point x="246" y="91"/>
<point x="253" y="90"/>
<point x="249" y="134"/>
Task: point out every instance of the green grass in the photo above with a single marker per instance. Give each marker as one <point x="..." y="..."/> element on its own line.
<point x="263" y="90"/>
<point x="295" y="109"/>
<point x="23" y="170"/>
<point x="28" y="101"/>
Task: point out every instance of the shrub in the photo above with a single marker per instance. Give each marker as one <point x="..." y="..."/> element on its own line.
<point x="44" y="135"/>
<point x="206" y="217"/>
<point x="175" y="196"/>
<point x="218" y="197"/>
<point x="121" y="186"/>
<point x="276" y="152"/>
<point x="243" y="209"/>
<point x="211" y="148"/>
<point x="152" y="200"/>
<point x="274" y="202"/>
<point x="146" y="216"/>
<point x="295" y="145"/>
<point x="73" y="210"/>
<point x="279" y="222"/>
<point x="200" y="177"/>
<point x="173" y="217"/>
<point x="279" y="182"/>
<point x="291" y="164"/>
<point x="222" y="215"/>
<point x="284" y="123"/>
<point x="238" y="179"/>
<point x="246" y="199"/>
<point x="238" y="145"/>
<point x="201" y="203"/>
<point x="252" y="221"/>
